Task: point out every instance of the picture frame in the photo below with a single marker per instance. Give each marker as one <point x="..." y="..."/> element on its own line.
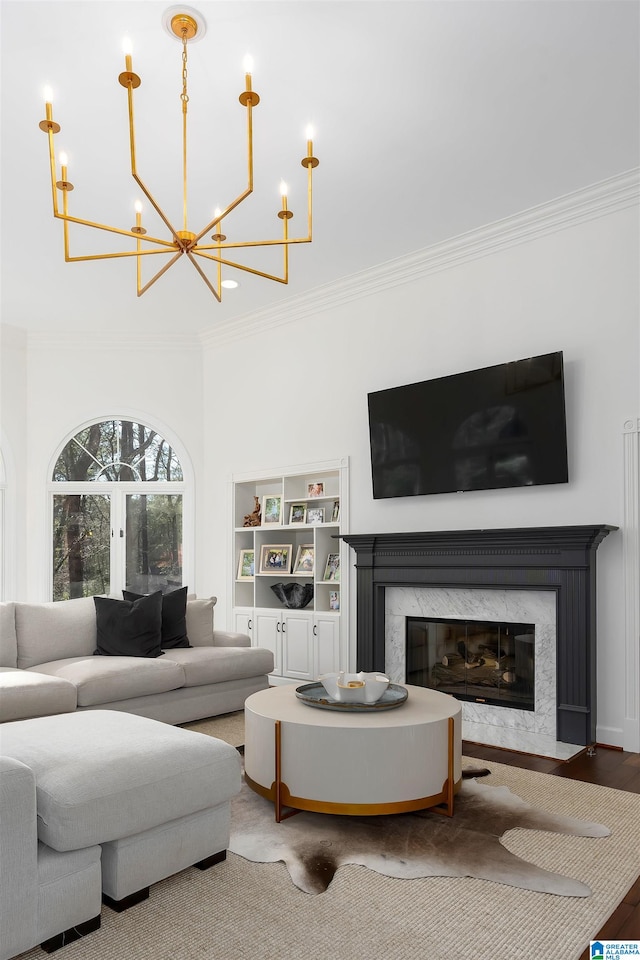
<point x="315" y="515"/>
<point x="275" y="558"/>
<point x="246" y="565"/>
<point x="305" y="559"/>
<point x="272" y="509"/>
<point x="315" y="489"/>
<point x="332" y="568"/>
<point x="335" y="511"/>
<point x="298" y="513"/>
<point x="334" y="599"/>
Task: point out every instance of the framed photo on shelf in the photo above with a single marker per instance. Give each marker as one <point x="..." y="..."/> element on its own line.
<point x="332" y="569"/>
<point x="315" y="489"/>
<point x="275" y="558"/>
<point x="272" y="509"/>
<point x="246" y="564"/>
<point x="304" y="559"/>
<point x="315" y="515"/>
<point x="298" y="513"/>
<point x="335" y="513"/>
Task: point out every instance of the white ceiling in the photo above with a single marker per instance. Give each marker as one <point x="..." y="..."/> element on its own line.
<point x="432" y="118"/>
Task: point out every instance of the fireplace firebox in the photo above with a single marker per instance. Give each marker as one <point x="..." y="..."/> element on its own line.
<point x="475" y="660"/>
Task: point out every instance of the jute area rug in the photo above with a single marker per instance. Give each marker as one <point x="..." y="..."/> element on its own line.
<point x="241" y="910"/>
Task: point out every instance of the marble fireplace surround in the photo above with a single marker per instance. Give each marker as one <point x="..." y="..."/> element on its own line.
<point x="523" y="606"/>
<point x="558" y="559"/>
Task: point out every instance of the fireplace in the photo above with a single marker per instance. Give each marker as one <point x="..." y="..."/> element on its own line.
<point x="480" y="661"/>
<point x="554" y="562"/>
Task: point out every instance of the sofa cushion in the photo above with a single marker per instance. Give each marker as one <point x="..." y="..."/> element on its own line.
<point x="101" y="680"/>
<point x="174" y="617"/>
<point x="24" y="693"/>
<point x="217" y="664"/>
<point x="55" y="630"/>
<point x="102" y="775"/>
<point x="129" y="628"/>
<point x="8" y="642"/>
<point x="200" y="621"/>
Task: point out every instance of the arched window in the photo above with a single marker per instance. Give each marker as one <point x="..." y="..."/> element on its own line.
<point x="118" y="523"/>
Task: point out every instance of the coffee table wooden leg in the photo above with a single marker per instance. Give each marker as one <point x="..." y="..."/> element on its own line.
<point x="278" y="796"/>
<point x="450" y="777"/>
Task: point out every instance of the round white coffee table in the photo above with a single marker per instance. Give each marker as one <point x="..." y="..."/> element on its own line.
<point x="391" y="761"/>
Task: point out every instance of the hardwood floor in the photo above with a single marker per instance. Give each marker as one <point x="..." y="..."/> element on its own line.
<point x="607" y="767"/>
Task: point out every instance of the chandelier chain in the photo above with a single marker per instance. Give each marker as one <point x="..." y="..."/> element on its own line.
<point x="184" y="95"/>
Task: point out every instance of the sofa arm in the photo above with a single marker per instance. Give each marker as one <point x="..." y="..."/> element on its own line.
<point x="19" y="855"/>
<point x="224" y="638"/>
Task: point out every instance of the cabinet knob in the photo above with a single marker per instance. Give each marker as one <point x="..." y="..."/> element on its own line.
<point x="315" y="629"/>
<point x="250" y="624"/>
<point x="283" y="628"/>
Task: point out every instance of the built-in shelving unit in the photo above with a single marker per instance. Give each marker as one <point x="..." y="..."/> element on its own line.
<point x="304" y="509"/>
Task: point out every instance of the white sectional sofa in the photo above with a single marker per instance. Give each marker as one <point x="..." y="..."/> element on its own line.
<point x="47" y="666"/>
<point x="98" y="808"/>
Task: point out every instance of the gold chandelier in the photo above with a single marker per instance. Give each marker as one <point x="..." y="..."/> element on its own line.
<point x="183" y="242"/>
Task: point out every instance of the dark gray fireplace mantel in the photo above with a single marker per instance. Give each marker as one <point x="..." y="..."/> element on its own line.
<point x="530" y="558"/>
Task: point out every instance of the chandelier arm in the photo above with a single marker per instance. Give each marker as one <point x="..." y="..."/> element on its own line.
<point x="227" y="210"/>
<point x="157" y="209"/>
<point x="120" y="254"/>
<point x="213" y="290"/>
<point x="251" y="243"/>
<point x="171" y="262"/>
<point x="128" y="80"/>
<point x="237" y="266"/>
<point x="285" y="215"/>
<point x="52" y="164"/>
<point x="309" y="200"/>
<point x="248" y="99"/>
<point x="124" y="233"/>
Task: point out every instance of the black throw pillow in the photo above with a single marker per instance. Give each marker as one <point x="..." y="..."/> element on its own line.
<point x="129" y="628"/>
<point x="174" y="617"/>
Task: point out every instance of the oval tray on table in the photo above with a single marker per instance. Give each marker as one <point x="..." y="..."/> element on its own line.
<point x="315" y="695"/>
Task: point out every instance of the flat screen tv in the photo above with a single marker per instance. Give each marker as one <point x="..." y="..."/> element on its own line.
<point x="501" y="426"/>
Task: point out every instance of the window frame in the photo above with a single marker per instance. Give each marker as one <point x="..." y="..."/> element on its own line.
<point x="118" y="490"/>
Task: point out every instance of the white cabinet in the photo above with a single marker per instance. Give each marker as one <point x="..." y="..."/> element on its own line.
<point x="267" y="632"/>
<point x="243" y="621"/>
<point x="326" y="641"/>
<point x="303" y="512"/>
<point x="297" y="645"/>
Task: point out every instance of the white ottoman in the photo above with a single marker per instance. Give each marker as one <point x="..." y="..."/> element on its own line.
<point x="154" y="796"/>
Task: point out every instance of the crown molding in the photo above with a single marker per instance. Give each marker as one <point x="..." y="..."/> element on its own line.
<point x="595" y="201"/>
<point x="70" y="339"/>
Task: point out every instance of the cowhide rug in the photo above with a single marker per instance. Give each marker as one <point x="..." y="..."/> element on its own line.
<point x="409" y="845"/>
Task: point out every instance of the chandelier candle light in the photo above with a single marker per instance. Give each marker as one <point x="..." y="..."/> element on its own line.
<point x="185" y="27"/>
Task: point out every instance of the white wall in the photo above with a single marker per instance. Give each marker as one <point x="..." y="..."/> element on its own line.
<point x="298" y="393"/>
<point x="13" y="440"/>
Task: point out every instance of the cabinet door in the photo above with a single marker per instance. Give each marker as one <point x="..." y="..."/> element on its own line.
<point x="297" y="645"/>
<point x="243" y="622"/>
<point x="267" y="632"/>
<point x="326" y="632"/>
